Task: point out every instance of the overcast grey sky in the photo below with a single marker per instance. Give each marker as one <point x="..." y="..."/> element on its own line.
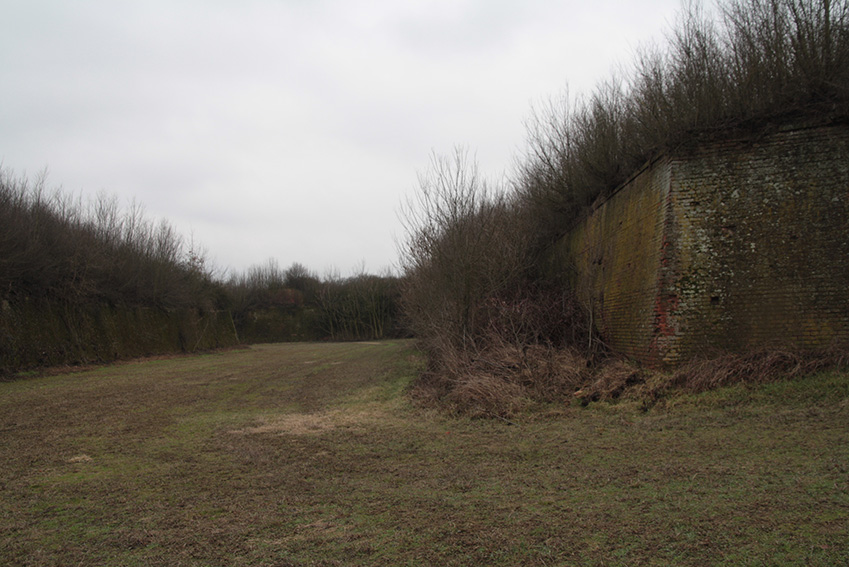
<point x="290" y="129"/>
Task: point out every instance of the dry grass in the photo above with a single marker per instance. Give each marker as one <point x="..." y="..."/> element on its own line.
<point x="485" y="395"/>
<point x="611" y="381"/>
<point x="315" y="423"/>
<point x="502" y="380"/>
<point x="757" y="367"/>
<point x="506" y="380"/>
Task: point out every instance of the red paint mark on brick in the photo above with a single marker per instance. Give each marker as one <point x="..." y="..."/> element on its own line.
<point x="662" y="308"/>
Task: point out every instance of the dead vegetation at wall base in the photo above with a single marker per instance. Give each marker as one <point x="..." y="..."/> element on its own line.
<point x="503" y="383"/>
<point x="759" y="366"/>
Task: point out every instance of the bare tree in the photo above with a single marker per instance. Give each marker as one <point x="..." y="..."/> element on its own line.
<point x="461" y="250"/>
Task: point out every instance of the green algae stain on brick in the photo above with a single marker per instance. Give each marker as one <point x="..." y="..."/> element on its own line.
<point x="615" y="253"/>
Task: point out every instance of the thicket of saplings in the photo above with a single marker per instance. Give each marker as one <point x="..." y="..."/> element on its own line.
<point x="57" y="247"/>
<point x="498" y="329"/>
<point x="358" y="307"/>
<point x="64" y="250"/>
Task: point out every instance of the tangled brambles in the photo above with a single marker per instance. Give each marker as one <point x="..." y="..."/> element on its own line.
<point x="502" y="381"/>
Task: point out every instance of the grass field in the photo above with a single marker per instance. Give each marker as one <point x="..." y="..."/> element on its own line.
<point x="311" y="454"/>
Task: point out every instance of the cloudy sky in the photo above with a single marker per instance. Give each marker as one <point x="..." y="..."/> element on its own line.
<point x="290" y="129"/>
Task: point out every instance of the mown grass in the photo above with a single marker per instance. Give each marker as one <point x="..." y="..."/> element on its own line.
<point x="311" y="454"/>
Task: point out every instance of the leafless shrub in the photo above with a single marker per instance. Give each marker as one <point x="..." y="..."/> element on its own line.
<point x="539" y="314"/>
<point x="502" y="379"/>
<point x="461" y="249"/>
<point x="494" y="336"/>
<point x="485" y="395"/>
<point x="360" y="307"/>
<point x="749" y="63"/>
<point x="786" y="53"/>
<point x="56" y="246"/>
<point x="553" y="374"/>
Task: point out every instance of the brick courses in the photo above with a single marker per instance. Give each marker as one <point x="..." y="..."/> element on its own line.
<point x="724" y="245"/>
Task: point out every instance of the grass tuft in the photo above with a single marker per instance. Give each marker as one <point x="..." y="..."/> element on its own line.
<point x="759" y="366"/>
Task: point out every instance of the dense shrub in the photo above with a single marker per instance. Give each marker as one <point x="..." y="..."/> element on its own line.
<point x="55" y="247"/>
<point x="360" y="307"/>
<point x="495" y="337"/>
<point x="749" y="64"/>
<point x="295" y="304"/>
<point x="464" y="247"/>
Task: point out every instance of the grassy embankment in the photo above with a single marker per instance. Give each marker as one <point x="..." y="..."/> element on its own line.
<point x="311" y="454"/>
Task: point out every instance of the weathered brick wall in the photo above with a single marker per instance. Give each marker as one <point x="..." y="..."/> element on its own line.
<point x="616" y="253"/>
<point x="761" y="235"/>
<point x="36" y="333"/>
<point x="723" y="246"/>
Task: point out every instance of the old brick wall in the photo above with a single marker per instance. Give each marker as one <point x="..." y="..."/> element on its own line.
<point x="40" y="332"/>
<point x="615" y="254"/>
<point x="725" y="245"/>
<point x="761" y="235"/>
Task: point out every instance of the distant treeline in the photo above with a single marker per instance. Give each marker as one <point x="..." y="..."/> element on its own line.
<point x="478" y="283"/>
<point x="272" y="304"/>
<point x="61" y="254"/>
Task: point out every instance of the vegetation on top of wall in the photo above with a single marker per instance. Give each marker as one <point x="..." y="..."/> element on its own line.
<point x="472" y="245"/>
<point x="77" y="277"/>
<point x="747" y="64"/>
<point x="55" y="247"/>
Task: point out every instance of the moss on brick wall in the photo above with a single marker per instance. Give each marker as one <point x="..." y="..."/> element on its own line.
<point x="615" y="254"/>
<point x="764" y="241"/>
<point x="40" y="333"/>
<point x="726" y="245"/>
